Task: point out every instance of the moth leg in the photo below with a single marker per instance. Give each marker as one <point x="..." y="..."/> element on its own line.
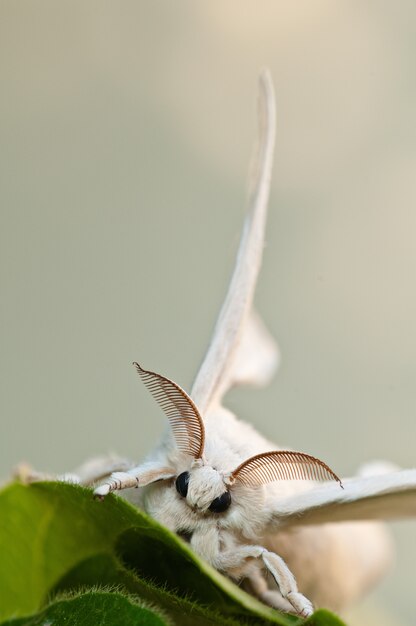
<point x="272" y="597"/>
<point x="136" y="477"/>
<point x="26" y="474"/>
<point x="98" y="468"/>
<point x="88" y="473"/>
<point x="286" y="583"/>
<point x="278" y="569"/>
<point x="233" y="560"/>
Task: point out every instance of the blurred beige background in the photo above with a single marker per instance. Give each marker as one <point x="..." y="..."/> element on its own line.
<point x="126" y="131"/>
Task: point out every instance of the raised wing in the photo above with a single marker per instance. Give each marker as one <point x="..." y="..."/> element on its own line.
<point x="386" y="496"/>
<point x="256" y="357"/>
<point x="223" y="366"/>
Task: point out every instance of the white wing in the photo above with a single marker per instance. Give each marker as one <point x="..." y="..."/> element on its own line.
<point x="256" y="357"/>
<point x="224" y="364"/>
<point x="385" y="496"/>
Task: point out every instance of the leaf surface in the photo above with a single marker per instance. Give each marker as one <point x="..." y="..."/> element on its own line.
<point x="95" y="607"/>
<point x="55" y="537"/>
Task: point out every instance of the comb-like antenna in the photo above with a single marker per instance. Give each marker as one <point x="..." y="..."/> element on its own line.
<point x="281" y="465"/>
<point x="184" y="417"/>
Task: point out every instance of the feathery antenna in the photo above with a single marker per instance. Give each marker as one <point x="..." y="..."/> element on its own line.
<point x="282" y="465"/>
<point x="182" y="413"/>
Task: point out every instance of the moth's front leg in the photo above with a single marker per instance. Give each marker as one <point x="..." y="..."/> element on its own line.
<point x="233" y="558"/>
<point x="258" y="585"/>
<point x="26" y="474"/>
<point x="286" y="583"/>
<point x="87" y="474"/>
<point x="136" y="477"/>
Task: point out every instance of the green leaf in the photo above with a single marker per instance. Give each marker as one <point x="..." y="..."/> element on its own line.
<point x="95" y="607"/>
<point x="108" y="571"/>
<point x="56" y="537"/>
<point x="323" y="618"/>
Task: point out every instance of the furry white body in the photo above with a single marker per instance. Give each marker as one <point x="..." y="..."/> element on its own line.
<point x="362" y="549"/>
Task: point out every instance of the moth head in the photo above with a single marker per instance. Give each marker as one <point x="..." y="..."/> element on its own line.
<point x="204" y="489"/>
<point x="183" y="415"/>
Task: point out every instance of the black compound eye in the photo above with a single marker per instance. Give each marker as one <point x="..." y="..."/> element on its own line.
<point x="182" y="484"/>
<point x="221" y="504"/>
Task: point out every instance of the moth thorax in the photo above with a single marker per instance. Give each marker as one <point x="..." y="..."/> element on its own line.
<point x="205" y="484"/>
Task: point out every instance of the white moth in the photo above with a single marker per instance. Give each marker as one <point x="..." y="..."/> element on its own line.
<point x="244" y="505"/>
